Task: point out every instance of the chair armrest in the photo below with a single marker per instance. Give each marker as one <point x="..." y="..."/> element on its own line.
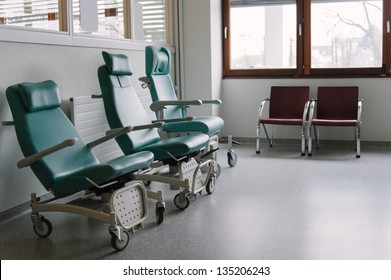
<point x="211" y="101"/>
<point x="157" y="105"/>
<point x="33" y="158"/>
<point x="7" y="123"/>
<point x="359" y="110"/>
<point x="113" y="133"/>
<point x="157" y="124"/>
<point x="110" y="135"/>
<point x="311" y="110"/>
<point x="175" y="120"/>
<point x="260" y="109"/>
<point x="306" y="111"/>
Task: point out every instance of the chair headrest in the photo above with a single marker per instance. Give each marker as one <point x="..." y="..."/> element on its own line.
<point x="158" y="60"/>
<point x="40" y="96"/>
<point x="117" y="64"/>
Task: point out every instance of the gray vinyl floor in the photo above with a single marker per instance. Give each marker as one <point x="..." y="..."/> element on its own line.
<point x="275" y="206"/>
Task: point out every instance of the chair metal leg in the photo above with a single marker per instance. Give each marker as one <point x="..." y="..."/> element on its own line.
<point x="358" y="141"/>
<point x="316" y="132"/>
<point x="309" y="141"/>
<point x="303" y="140"/>
<point x="267" y="135"/>
<point x="258" y="140"/>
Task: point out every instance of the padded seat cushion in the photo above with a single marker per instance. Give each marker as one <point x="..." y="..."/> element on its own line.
<point x="102" y="173"/>
<point x="130" y="163"/>
<point x="327" y="122"/>
<point x="178" y="146"/>
<point x="206" y="124"/>
<point x="281" y="121"/>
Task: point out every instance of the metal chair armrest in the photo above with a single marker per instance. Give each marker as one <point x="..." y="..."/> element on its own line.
<point x="7" y="123"/>
<point x="261" y="107"/>
<point x="157" y="105"/>
<point x="305" y="112"/>
<point x="311" y="110"/>
<point x="113" y="133"/>
<point x="157" y="124"/>
<point x="33" y="158"/>
<point x="175" y="120"/>
<point x="110" y="135"/>
<point x="211" y="101"/>
<point x="359" y="110"/>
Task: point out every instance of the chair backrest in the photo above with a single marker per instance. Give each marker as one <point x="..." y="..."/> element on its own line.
<point x="287" y="102"/>
<point x="337" y="103"/>
<point x="157" y="68"/>
<point x="40" y="124"/>
<point x="122" y="105"/>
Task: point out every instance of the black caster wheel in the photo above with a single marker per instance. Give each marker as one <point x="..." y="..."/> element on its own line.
<point x="45" y="230"/>
<point x="181" y="203"/>
<point x="232" y="158"/>
<point x="211" y="185"/>
<point x="159" y="211"/>
<point x="118" y="244"/>
<point x="218" y="170"/>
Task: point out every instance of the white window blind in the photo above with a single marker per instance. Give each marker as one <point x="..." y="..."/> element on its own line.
<point x="110" y="18"/>
<point x="42" y="14"/>
<point x="153" y="20"/>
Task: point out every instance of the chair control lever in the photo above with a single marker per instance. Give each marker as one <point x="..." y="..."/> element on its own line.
<point x="209" y="152"/>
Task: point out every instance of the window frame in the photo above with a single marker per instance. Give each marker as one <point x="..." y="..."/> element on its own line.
<point x="303" y="51"/>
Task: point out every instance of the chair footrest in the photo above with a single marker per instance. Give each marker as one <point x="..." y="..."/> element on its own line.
<point x="189" y="171"/>
<point x="130" y="205"/>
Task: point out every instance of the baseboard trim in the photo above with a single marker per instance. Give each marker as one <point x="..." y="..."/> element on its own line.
<point x="19" y="210"/>
<point x="281" y="141"/>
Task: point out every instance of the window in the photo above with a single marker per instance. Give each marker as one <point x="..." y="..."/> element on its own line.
<point x="99" y="18"/>
<point x="262" y="36"/>
<point x="306" y="38"/>
<point x="139" y="20"/>
<point x="346" y="34"/>
<point x="37" y="14"/>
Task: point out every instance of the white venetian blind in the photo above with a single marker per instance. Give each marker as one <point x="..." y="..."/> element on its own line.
<point x="153" y="20"/>
<point x="42" y="14"/>
<point x="110" y="18"/>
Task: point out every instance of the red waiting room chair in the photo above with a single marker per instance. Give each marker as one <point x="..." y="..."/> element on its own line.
<point x="288" y="105"/>
<point x="335" y="106"/>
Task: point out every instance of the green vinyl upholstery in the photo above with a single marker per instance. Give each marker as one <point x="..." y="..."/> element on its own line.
<point x="40" y="124"/>
<point x="123" y="108"/>
<point x="158" y="66"/>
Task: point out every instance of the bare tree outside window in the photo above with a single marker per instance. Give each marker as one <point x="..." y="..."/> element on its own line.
<point x="346" y="34"/>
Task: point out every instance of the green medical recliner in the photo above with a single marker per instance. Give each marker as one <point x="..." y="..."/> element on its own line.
<point x="66" y="166"/>
<point x="123" y="108"/>
<point x="166" y="106"/>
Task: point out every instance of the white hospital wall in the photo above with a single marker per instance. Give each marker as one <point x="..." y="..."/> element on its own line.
<point x="241" y="99"/>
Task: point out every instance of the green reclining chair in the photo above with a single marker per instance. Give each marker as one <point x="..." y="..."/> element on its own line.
<point x="65" y="166"/>
<point x="123" y="108"/>
<point x="166" y="106"/>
